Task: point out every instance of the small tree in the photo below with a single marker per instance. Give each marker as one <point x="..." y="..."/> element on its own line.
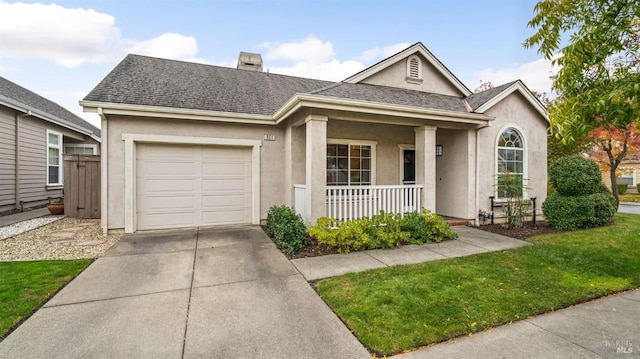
<point x="511" y="187"/>
<point x="612" y="146"/>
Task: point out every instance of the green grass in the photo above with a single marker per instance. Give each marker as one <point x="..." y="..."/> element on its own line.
<point x="403" y="307"/>
<point x="630" y="197"/>
<point x="26" y="286"/>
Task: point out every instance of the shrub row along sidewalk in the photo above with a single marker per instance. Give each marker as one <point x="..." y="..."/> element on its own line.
<point x="404" y="307"/>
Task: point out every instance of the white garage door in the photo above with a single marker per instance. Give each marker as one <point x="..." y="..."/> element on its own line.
<point x="186" y="186"/>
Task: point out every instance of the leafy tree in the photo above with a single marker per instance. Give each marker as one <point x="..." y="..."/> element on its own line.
<point x="598" y="83"/>
<point x="612" y="146"/>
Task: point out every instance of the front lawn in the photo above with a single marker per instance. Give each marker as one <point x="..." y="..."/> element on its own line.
<point x="26" y="286"/>
<point x="404" y="307"/>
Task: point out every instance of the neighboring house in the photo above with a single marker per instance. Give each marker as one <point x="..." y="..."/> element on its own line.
<point x="34" y="134"/>
<point x="188" y="144"/>
<point x="629" y="170"/>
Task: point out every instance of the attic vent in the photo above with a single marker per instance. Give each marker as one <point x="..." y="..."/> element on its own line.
<point x="414" y="69"/>
<point x="249" y="61"/>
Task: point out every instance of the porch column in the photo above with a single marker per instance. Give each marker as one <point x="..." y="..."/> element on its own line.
<point x="426" y="165"/>
<point x="316" y="167"/>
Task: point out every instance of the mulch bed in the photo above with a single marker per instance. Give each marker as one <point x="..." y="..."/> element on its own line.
<point x="528" y="230"/>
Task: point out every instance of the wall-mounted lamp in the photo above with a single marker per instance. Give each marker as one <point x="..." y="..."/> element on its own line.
<point x="439" y="151"/>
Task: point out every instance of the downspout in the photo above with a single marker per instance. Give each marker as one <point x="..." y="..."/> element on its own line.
<point x="17" y="159"/>
<point x="103" y="172"/>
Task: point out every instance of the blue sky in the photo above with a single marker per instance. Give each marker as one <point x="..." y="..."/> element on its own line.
<point x="62" y="50"/>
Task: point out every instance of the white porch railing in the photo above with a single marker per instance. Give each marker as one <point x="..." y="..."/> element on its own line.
<point x="352" y="202"/>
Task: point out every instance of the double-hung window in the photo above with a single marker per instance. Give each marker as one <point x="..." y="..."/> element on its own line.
<point x="54" y="158"/>
<point x="350" y="164"/>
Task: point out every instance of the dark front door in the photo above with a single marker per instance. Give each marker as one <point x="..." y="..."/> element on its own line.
<point x="409" y="166"/>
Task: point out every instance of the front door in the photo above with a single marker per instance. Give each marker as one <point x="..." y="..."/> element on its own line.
<point x="409" y="166"/>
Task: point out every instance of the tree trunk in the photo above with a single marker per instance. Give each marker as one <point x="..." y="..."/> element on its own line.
<point x="614" y="185"/>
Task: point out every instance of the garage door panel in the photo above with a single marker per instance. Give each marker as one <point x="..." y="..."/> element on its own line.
<point x="180" y="186"/>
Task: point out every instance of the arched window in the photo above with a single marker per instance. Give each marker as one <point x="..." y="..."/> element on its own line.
<point x="414" y="68"/>
<point x="511" y="163"/>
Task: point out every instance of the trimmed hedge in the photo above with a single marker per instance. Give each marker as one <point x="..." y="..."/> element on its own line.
<point x="581" y="199"/>
<point x="575" y="176"/>
<point x="622" y="187"/>
<point x="287" y="229"/>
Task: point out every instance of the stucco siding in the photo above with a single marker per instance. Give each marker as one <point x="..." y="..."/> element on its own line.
<point x="514" y="111"/>
<point x="396" y="74"/>
<point x="455" y="170"/>
<point x="632" y="170"/>
<point x="271" y="155"/>
<point x="7" y="159"/>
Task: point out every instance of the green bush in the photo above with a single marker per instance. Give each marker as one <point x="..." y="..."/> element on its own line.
<point x="286" y="228"/>
<point x="622" y="187"/>
<point x="576" y="212"/>
<point x="383" y="230"/>
<point x="575" y="176"/>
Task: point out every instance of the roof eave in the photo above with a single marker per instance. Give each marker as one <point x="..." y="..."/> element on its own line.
<point x="109" y="108"/>
<point x="520" y="87"/>
<point x="4" y="101"/>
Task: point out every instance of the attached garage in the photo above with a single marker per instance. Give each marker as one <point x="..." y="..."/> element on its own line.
<point x="176" y="182"/>
<point x="187" y="186"/>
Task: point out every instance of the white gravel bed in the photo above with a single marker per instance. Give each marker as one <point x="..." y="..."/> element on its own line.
<point x="67" y="238"/>
<point x="25" y="226"/>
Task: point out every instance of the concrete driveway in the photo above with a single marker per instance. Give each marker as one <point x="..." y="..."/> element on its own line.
<point x="207" y="293"/>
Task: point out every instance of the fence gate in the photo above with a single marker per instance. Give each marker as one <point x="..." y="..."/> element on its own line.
<point x="82" y="186"/>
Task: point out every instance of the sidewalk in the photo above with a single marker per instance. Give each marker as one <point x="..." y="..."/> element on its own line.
<point x="23" y="216"/>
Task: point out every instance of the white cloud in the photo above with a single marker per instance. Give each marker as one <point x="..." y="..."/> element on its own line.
<point x="378" y="53"/>
<point x="314" y="58"/>
<point x="535" y="74"/>
<point x="68" y="37"/>
<point x="309" y="50"/>
<point x="72" y="37"/>
<point x="169" y="45"/>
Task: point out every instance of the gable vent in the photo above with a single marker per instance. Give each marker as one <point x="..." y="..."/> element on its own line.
<point x="414" y="69"/>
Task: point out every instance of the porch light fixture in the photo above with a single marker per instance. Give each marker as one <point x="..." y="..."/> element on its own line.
<point x="439" y="150"/>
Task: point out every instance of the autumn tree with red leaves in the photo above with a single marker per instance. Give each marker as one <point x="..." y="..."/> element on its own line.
<point x="613" y="146"/>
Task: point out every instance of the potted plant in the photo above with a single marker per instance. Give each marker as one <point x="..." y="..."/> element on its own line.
<point x="56" y="206"/>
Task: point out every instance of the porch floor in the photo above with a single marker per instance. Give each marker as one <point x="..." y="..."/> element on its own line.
<point x="455" y="221"/>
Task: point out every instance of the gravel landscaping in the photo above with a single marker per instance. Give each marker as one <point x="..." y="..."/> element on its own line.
<point x="49" y="238"/>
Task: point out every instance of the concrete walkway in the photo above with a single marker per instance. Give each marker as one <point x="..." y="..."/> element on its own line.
<point x="217" y="293"/>
<point x="23" y="216"/>
<point x="470" y="241"/>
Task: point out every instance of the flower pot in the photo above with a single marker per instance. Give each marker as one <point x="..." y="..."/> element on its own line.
<point x="56" y="208"/>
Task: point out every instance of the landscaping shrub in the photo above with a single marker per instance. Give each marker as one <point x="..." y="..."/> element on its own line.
<point x="581" y="199"/>
<point x="575" y="176"/>
<point x="287" y="229"/>
<point x="622" y="187"/>
<point x="383" y="230"/>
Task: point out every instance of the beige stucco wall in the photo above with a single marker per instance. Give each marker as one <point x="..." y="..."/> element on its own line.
<point x="271" y="155"/>
<point x="455" y="173"/>
<point x="396" y="74"/>
<point x="514" y="111"/>
<point x="630" y="171"/>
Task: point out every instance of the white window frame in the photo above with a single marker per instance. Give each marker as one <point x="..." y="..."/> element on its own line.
<point x="59" y="147"/>
<point x="94" y="147"/>
<point x="410" y="78"/>
<point x="525" y="158"/>
<point x="350" y="142"/>
<point x="631" y="174"/>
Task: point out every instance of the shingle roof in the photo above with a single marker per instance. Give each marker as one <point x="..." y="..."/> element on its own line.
<point x="478" y="99"/>
<point x="141" y="80"/>
<point x="22" y="98"/>
<point x="395" y="96"/>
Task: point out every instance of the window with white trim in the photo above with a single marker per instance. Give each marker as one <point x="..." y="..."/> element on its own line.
<point x="628" y="177"/>
<point x="54" y="158"/>
<point x="414" y="68"/>
<point x="510" y="157"/>
<point x="80" y="149"/>
<point x="350" y="164"/>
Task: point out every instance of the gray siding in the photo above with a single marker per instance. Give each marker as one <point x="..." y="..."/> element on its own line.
<point x="7" y="159"/>
<point x="32" y="159"/>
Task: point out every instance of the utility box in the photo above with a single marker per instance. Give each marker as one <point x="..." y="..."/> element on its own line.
<point x="82" y="186"/>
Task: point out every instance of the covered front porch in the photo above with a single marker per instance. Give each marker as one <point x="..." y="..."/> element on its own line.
<point x="348" y="169"/>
